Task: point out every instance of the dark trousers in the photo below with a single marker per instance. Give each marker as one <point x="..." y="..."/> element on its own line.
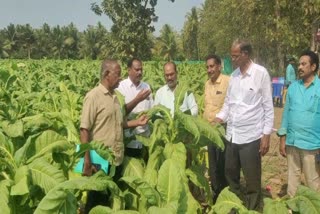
<point x="216" y="170"/>
<point x="245" y="157"/>
<point x="95" y="198"/>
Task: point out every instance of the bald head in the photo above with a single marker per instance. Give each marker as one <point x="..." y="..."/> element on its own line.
<point x="170" y="74"/>
<point x="106" y="67"/>
<point x="110" y="74"/>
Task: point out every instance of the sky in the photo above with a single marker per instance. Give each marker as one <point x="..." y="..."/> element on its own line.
<point x="63" y="12"/>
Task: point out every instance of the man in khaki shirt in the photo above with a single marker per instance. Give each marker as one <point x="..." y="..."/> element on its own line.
<point x="215" y="92"/>
<point x="102" y="120"/>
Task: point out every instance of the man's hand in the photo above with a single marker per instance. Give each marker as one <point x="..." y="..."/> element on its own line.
<point x="264" y="145"/>
<point x="217" y="120"/>
<point x="143" y="94"/>
<point x="142" y="120"/>
<point x="282" y="146"/>
<point x="88" y="169"/>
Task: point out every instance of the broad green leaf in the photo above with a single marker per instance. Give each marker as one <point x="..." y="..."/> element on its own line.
<point x="45" y="175"/>
<point x="212" y="133"/>
<point x="48" y="142"/>
<point x="21" y="180"/>
<point x="274" y="206"/>
<point x="13" y="129"/>
<point x="132" y="167"/>
<point x="176" y="152"/>
<point x="306" y="200"/>
<point x="169" y="181"/>
<point x="107" y="210"/>
<point x="144" y="189"/>
<point x="21" y="155"/>
<point x="195" y="174"/>
<point x="187" y="203"/>
<point x="4" y="196"/>
<point x="226" y="201"/>
<point x="61" y="198"/>
<point x="188" y="124"/>
<point x="7" y="161"/>
<point x="157" y="210"/>
<point x="36" y="122"/>
<point x="6" y="143"/>
<point x="153" y="165"/>
<point x="100" y="209"/>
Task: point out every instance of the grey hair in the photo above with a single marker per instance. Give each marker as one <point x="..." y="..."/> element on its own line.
<point x="106" y="66"/>
<point x="245" y="46"/>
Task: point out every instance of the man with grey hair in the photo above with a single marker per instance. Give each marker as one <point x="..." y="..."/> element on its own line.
<point x="248" y="111"/>
<point x="102" y="121"/>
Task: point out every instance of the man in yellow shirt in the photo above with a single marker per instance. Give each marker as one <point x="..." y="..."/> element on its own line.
<point x="215" y="92"/>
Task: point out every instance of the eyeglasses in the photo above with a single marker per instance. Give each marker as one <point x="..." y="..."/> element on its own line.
<point x="235" y="57"/>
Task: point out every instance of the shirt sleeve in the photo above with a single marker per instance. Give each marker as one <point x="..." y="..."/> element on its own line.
<point x="267" y="104"/>
<point x="156" y="98"/>
<point x="224" y="112"/>
<point x="284" y="122"/>
<point x="192" y="104"/>
<point x="88" y="113"/>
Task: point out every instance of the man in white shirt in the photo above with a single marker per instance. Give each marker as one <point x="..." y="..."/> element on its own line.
<point x="248" y="111"/>
<point x="165" y="94"/>
<point x="138" y="98"/>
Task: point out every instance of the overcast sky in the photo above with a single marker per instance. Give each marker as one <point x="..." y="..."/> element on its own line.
<point x="63" y="12"/>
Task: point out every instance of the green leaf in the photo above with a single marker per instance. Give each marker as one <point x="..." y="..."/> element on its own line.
<point x="7" y="161"/>
<point x="45" y="175"/>
<point x="212" y="133"/>
<point x="13" y="129"/>
<point x="21" y="180"/>
<point x="146" y="192"/>
<point x="274" y="206"/>
<point x="4" y="196"/>
<point x="187" y="203"/>
<point x="157" y="210"/>
<point x="169" y="181"/>
<point x="195" y="174"/>
<point x="48" y="142"/>
<point x="61" y="198"/>
<point x="226" y="201"/>
<point x="132" y="167"/>
<point x="176" y="152"/>
<point x="305" y="201"/>
<point x="188" y="124"/>
<point x="153" y="165"/>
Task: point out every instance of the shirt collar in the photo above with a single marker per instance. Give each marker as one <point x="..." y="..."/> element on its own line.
<point x="103" y="89"/>
<point x="218" y="80"/>
<point x="131" y="84"/>
<point x="248" y="72"/>
<point x="315" y="81"/>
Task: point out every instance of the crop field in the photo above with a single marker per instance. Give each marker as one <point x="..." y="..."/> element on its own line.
<point x="40" y="106"/>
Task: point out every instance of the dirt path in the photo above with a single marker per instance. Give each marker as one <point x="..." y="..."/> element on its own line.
<point x="274" y="166"/>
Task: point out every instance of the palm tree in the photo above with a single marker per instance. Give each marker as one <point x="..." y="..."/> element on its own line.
<point x="168" y="43"/>
<point x="190" y="35"/>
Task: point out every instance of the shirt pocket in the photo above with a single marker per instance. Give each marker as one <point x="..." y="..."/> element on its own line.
<point x="250" y="96"/>
<point x="316" y="104"/>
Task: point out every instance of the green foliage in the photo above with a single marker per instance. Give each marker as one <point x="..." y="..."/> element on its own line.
<point x="61" y="199"/>
<point x="39" y="119"/>
<point x="305" y="201"/>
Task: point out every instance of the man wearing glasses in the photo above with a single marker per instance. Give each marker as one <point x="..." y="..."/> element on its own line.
<point x="248" y="111"/>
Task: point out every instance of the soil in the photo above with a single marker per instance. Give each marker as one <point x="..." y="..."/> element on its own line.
<point x="274" y="166"/>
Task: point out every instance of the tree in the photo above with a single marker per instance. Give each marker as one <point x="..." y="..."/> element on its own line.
<point x="167" y="43"/>
<point x="94" y="42"/>
<point x="131" y="24"/>
<point x="275" y="28"/>
<point x="190" y="35"/>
